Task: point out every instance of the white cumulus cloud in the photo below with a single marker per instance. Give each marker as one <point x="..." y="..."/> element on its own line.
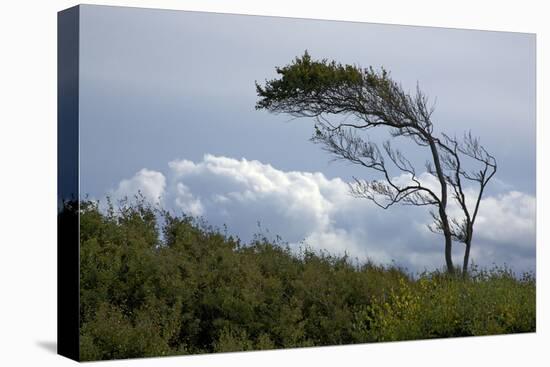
<point x="151" y="184"/>
<point x="309" y="208"/>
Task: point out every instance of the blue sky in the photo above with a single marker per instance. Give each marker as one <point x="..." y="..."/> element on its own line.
<point x="167" y="107"/>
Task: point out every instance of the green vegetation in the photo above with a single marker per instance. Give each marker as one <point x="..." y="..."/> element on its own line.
<point x="157" y="284"/>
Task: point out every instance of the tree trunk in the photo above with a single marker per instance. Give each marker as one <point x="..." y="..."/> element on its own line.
<point x="442" y="205"/>
<point x="449" y="254"/>
<point x="466" y="259"/>
<point x="468" y="243"/>
<point x="448" y="241"/>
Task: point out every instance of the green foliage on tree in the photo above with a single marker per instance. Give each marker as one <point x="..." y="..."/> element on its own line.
<point x="154" y="284"/>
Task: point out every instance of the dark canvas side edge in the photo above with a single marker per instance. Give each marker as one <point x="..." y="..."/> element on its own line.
<point x="68" y="243"/>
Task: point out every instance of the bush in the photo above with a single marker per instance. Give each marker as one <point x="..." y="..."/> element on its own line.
<point x="156" y="284"/>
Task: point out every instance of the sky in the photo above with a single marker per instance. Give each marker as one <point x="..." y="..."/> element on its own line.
<point x="167" y="108"/>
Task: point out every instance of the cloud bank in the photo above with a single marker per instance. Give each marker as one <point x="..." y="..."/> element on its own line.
<point x="308" y="208"/>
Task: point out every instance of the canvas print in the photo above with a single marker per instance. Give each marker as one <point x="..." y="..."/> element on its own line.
<point x="240" y="183"/>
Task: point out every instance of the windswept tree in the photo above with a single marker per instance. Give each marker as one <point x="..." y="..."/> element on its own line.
<point x="345" y="101"/>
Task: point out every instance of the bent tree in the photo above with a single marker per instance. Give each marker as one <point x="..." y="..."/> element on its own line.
<point x="345" y="101"/>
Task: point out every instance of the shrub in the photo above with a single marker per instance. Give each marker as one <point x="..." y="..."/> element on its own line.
<point x="156" y="284"/>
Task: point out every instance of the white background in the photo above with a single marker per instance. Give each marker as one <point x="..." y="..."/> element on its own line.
<point x="28" y="182"/>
